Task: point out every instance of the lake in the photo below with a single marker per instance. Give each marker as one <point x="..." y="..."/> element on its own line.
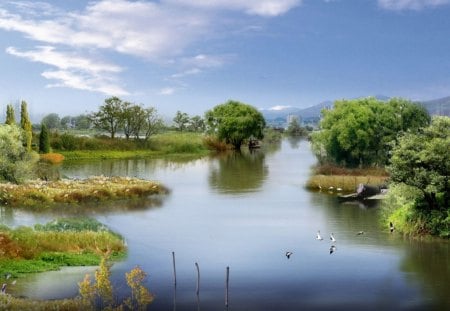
<point x="244" y="211"/>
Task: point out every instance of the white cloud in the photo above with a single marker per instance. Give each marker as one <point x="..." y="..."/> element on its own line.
<point x="156" y="31"/>
<point x="410" y="4"/>
<point x="167" y="91"/>
<point x="279" y="107"/>
<point x="74" y="71"/>
<point x="253" y="7"/>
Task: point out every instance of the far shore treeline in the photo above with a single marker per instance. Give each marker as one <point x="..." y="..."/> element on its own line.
<point x="396" y="138"/>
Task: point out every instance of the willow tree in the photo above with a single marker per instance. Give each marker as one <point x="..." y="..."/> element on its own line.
<point x="234" y="122"/>
<point x="10" y="115"/>
<point x="26" y="125"/>
<point x="360" y="132"/>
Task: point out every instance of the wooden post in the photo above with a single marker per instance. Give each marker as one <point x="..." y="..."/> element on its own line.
<point x="174" y="270"/>
<point x="198" y="279"/>
<point x="227" y="280"/>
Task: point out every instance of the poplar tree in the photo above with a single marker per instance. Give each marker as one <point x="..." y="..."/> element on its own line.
<point x="10" y="117"/>
<point x="26" y="125"/>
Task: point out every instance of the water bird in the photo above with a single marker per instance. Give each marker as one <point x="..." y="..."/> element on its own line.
<point x="288" y="254"/>
<point x="360" y="233"/>
<point x="13" y="282"/>
<point x="391" y="227"/>
<point x="7" y="275"/>
<point x="3" y="288"/>
<point x="332" y="249"/>
<point x="319" y="237"/>
<point x="339" y="189"/>
<point x="332" y="237"/>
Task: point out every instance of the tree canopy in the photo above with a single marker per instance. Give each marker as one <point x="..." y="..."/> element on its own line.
<point x="419" y="172"/>
<point x="234" y="122"/>
<point x="360" y="132"/>
<point x="16" y="164"/>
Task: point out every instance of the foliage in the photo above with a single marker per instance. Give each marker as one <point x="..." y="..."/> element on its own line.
<point x="52" y="121"/>
<point x="347" y="183"/>
<point x="110" y="116"/>
<point x="26" y="125"/>
<point x="181" y="121"/>
<point x="140" y="296"/>
<point x="44" y="142"/>
<point x="360" y="132"/>
<point x="197" y="124"/>
<point x="10" y="115"/>
<point x="52" y="158"/>
<point x="59" y="243"/>
<point x="16" y="164"/>
<point x="422" y="162"/>
<point x="294" y="129"/>
<point x="235" y="122"/>
<point x="89" y="297"/>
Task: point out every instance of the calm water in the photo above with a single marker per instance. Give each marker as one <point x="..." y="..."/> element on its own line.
<point x="245" y="211"/>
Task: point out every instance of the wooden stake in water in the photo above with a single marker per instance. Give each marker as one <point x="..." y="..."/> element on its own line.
<point x="227" y="281"/>
<point x="174" y="270"/>
<point x="198" y="279"/>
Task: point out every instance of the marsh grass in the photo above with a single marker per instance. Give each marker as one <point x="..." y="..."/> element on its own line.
<point x="39" y="194"/>
<point x="173" y="144"/>
<point x="332" y="177"/>
<point x="64" y="242"/>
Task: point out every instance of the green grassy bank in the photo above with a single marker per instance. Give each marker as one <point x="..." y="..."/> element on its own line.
<point x="63" y="242"/>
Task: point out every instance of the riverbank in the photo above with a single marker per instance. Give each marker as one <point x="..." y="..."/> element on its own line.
<point x="62" y="242"/>
<point x="44" y="194"/>
<point x="327" y="177"/>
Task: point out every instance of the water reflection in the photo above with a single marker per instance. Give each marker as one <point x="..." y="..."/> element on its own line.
<point x="238" y="172"/>
<point x="428" y="263"/>
<point x="295" y="141"/>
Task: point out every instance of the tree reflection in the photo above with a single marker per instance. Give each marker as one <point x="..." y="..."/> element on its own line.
<point x="238" y="172"/>
<point x="428" y="263"/>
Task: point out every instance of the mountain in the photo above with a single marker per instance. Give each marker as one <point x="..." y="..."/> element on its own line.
<point x="278" y="116"/>
<point x="439" y="106"/>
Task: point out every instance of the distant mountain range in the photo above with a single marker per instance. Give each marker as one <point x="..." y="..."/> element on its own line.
<point x="312" y="114"/>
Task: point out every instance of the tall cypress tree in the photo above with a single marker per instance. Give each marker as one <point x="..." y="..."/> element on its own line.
<point x="44" y="143"/>
<point x="25" y="124"/>
<point x="10" y="116"/>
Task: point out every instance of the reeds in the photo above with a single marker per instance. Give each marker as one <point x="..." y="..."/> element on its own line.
<point x="39" y="194"/>
<point x="345" y="183"/>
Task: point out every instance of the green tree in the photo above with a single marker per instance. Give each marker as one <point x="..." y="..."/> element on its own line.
<point x="26" y="125"/>
<point x="110" y="116"/>
<point x="152" y="124"/>
<point x="16" y="164"/>
<point x="422" y="161"/>
<point x="44" y="142"/>
<point x="197" y="124"/>
<point x="66" y="122"/>
<point x="360" y="132"/>
<point x="10" y="115"/>
<point x="82" y="122"/>
<point x="294" y="128"/>
<point x="181" y="120"/>
<point x="234" y="122"/>
<point x="52" y="121"/>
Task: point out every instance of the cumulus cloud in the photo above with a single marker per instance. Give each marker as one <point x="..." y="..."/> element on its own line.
<point x="154" y="31"/>
<point x="410" y="4"/>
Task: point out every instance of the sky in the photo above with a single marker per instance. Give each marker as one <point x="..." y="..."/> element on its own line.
<point x="67" y="57"/>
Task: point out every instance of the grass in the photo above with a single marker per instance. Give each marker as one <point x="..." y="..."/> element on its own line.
<point x="328" y="176"/>
<point x="39" y="194"/>
<point x="168" y="144"/>
<point x="63" y="242"/>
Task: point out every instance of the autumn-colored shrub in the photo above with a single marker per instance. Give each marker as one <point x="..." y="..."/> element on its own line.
<point x="52" y="158"/>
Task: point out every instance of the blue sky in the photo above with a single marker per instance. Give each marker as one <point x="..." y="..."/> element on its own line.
<point x="190" y="55"/>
